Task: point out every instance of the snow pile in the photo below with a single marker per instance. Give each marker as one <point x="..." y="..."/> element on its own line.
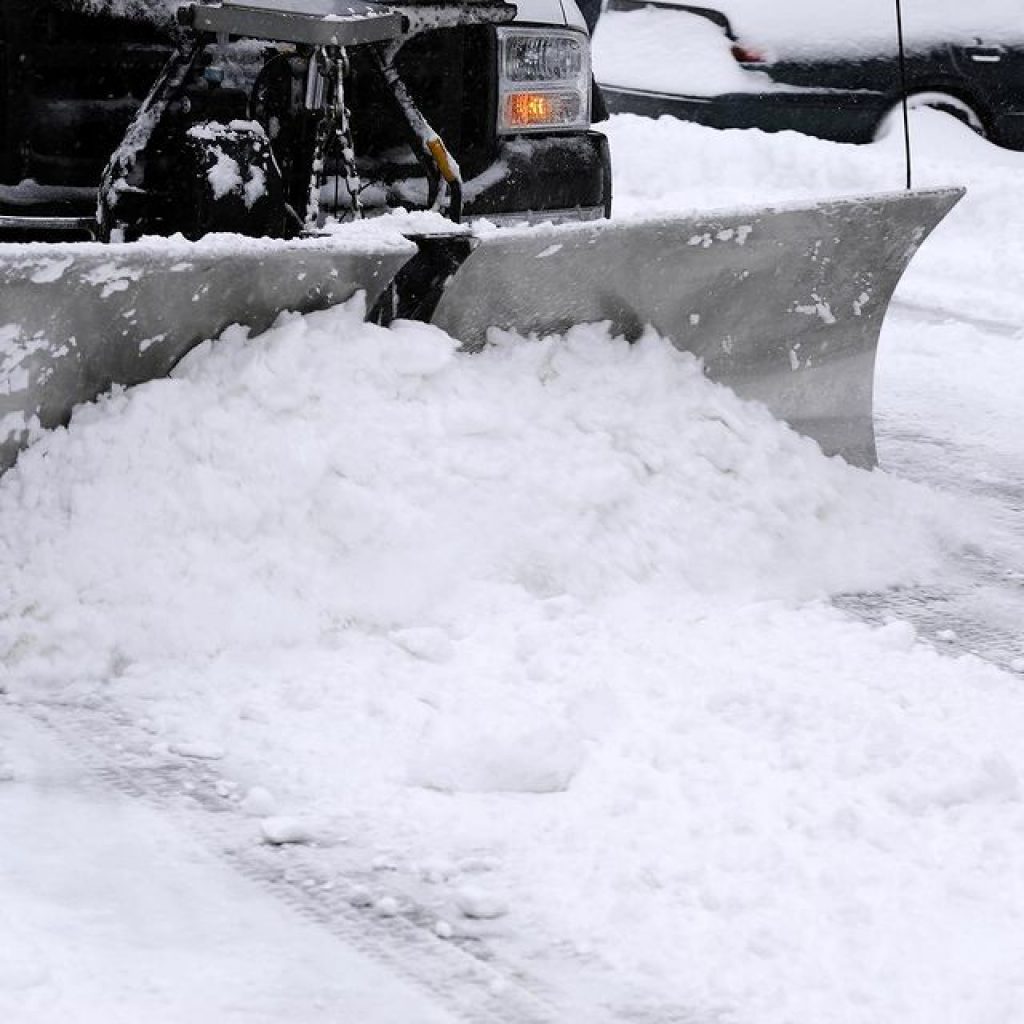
<point x="532" y="627"/>
<point x="503" y="758"/>
<point x="276" y="493"/>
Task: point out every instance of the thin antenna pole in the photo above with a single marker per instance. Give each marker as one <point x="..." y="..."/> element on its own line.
<point x="903" y="91"/>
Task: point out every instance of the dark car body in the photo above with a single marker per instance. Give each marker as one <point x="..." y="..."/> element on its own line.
<point x="846" y="99"/>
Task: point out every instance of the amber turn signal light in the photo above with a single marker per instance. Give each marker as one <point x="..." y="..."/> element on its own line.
<point x="523" y="111"/>
<point x="527" y="109"/>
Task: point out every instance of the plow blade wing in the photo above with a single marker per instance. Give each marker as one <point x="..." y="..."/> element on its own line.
<point x="77" y="318"/>
<point x="783" y="305"/>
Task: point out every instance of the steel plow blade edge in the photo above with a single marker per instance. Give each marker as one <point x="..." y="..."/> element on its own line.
<point x="77" y="318"/>
<point x="784" y="305"/>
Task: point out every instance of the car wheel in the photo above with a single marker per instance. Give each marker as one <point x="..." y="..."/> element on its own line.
<point x="943" y="101"/>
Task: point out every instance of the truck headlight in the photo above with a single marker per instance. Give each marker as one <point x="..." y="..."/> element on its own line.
<point x="543" y="80"/>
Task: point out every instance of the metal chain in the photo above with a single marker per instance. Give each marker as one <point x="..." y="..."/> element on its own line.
<point x="335" y="125"/>
<point x="343" y="134"/>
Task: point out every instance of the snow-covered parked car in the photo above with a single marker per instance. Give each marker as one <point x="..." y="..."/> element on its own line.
<point x="829" y="68"/>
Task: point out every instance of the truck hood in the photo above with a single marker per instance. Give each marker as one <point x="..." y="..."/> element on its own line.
<point x="550" y="12"/>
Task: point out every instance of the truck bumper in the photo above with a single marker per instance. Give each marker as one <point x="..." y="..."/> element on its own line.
<point x="544" y="177"/>
<point x="1009" y="131"/>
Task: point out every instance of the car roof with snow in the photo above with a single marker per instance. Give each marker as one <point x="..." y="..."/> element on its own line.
<point x="794" y="28"/>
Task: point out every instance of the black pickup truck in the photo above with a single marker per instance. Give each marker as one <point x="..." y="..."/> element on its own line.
<point x="124" y="117"/>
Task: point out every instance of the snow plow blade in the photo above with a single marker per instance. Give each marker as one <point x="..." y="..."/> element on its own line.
<point x="78" y="318"/>
<point x="783" y="305"/>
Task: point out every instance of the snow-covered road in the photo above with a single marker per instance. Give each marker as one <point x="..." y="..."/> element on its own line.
<point x="948" y="416"/>
<point x="112" y="914"/>
<point x="370" y="681"/>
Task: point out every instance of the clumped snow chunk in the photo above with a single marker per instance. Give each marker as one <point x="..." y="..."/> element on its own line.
<point x="898" y="635"/>
<point x="255" y="188"/>
<point x="480" y="904"/>
<point x="225" y="176"/>
<point x="506" y="755"/>
<point x="360" y="896"/>
<point x="281" y="831"/>
<point x="387" y="906"/>
<point x="259" y="802"/>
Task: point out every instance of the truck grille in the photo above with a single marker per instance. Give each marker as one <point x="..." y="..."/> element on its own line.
<point x="450" y="73"/>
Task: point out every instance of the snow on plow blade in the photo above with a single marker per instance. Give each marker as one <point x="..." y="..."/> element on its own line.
<point x="783" y="305"/>
<point x="77" y="318"/>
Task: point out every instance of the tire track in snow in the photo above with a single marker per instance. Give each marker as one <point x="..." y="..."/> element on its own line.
<point x="969" y="616"/>
<point x="319" y="883"/>
<point x="458" y="976"/>
<point x="934" y="313"/>
<point x="978" y="607"/>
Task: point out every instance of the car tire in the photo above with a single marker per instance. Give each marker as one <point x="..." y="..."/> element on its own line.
<point x="942" y="101"/>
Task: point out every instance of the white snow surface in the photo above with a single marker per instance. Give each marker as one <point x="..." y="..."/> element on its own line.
<point x="545" y="631"/>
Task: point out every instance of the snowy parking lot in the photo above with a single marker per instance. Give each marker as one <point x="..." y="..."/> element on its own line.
<point x="348" y="677"/>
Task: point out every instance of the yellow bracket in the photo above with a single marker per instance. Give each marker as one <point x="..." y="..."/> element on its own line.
<point x="442" y="159"/>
